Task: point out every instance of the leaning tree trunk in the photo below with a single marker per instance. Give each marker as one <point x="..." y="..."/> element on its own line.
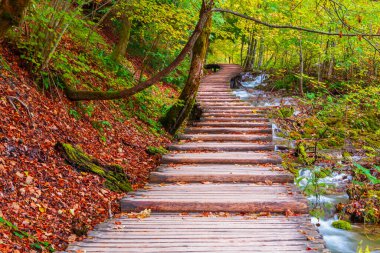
<point x="11" y="13"/>
<point x="125" y="33"/>
<point x="181" y="110"/>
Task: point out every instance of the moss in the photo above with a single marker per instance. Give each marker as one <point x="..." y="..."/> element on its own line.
<point x="156" y="150"/>
<point x="169" y="120"/>
<point x="116" y="179"/>
<point x="341" y="224"/>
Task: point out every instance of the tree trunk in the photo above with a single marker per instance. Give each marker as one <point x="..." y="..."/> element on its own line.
<point x="125" y="33"/>
<point x="179" y="112"/>
<point x="11" y="13"/>
<point x="242" y="49"/>
<point x="251" y="53"/>
<point x="75" y="95"/>
<point x="301" y="69"/>
<point x="261" y="54"/>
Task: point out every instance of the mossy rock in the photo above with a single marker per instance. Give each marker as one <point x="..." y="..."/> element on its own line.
<point x="341" y="224"/>
<point x="116" y="179"/>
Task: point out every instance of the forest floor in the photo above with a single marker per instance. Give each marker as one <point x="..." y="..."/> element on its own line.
<point x="43" y="200"/>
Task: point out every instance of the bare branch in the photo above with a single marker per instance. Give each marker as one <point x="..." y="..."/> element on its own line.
<point x="257" y="21"/>
<point x="11" y="99"/>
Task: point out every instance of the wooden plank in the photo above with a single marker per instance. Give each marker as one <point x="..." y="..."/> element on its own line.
<point x="231" y="124"/>
<point x="225" y="114"/>
<point x="227" y="130"/>
<point x="223" y="158"/>
<point x="226" y="137"/>
<point x="221" y="146"/>
<point x="159" y="177"/>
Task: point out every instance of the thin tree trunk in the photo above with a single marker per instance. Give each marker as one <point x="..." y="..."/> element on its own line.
<point x="182" y="109"/>
<point x="301" y="68"/>
<point x="261" y="54"/>
<point x="125" y="33"/>
<point x="242" y="49"/>
<point x="99" y="22"/>
<point x="251" y="54"/>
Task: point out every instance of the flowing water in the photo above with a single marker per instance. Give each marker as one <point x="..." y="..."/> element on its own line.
<point x="337" y="240"/>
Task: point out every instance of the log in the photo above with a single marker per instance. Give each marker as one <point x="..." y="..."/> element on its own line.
<point x="116" y="179"/>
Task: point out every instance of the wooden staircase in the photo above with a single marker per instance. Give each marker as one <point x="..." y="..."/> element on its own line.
<point x="221" y="189"/>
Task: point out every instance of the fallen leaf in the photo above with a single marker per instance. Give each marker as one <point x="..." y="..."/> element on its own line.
<point x="268" y="182"/>
<point x="141" y="215"/>
<point x="28" y="180"/>
<point x="289" y="213"/>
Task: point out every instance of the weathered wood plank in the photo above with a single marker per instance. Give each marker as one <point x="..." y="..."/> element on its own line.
<point x="226" y="137"/>
<point x="223" y="158"/>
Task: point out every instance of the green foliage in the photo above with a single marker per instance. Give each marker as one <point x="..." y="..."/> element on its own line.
<point x="75" y="114"/>
<point x="286" y="112"/>
<point x="317" y="212"/>
<point x="35" y="243"/>
<point x="361" y="171"/>
<point x="156" y="150"/>
<point x="314" y="185"/>
<point x="360" y="248"/>
<point x="287" y="82"/>
<point x="48" y="22"/>
<point x="341" y="224"/>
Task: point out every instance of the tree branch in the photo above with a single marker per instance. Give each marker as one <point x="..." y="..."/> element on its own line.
<point x="75" y="95"/>
<point x="257" y="21"/>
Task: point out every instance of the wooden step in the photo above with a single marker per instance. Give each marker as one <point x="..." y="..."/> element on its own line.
<point x="214" y="99"/>
<point x="226" y="137"/>
<point x="236" y="120"/>
<point x="215" y="93"/>
<point x="227" y="130"/>
<point x="221" y="146"/>
<point x="233" y="115"/>
<point x="223" y="103"/>
<point x="223" y="158"/>
<point x="232" y="111"/>
<point x="232" y="124"/>
<point x="215" y="88"/>
<point x="216" y="198"/>
<point x="210" y="96"/>
<point x="221" y="174"/>
<point x="230" y="107"/>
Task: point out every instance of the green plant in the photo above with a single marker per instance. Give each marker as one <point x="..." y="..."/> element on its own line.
<point x="341" y="224"/>
<point x="156" y="150"/>
<point x="361" y="171"/>
<point x="359" y="249"/>
<point x="75" y="114"/>
<point x="313" y="184"/>
<point x="36" y="244"/>
<point x="286" y="112"/>
<point x="100" y="125"/>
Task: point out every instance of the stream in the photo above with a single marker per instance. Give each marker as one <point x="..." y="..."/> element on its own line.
<point x="337" y="240"/>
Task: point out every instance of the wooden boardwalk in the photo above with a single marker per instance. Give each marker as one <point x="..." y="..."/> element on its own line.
<point x="221" y="189"/>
